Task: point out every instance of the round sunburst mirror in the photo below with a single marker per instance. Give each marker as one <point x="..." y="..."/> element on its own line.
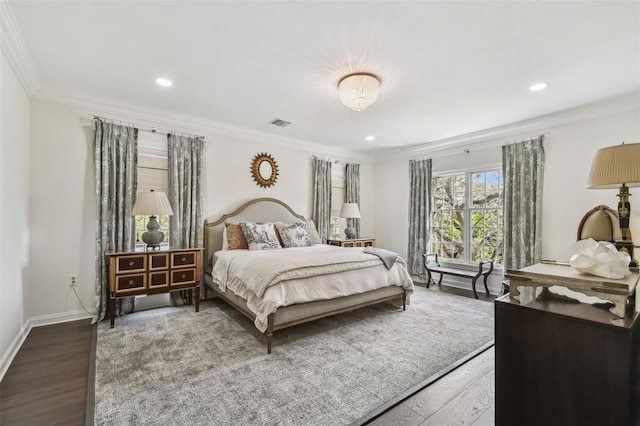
<point x="264" y="170"/>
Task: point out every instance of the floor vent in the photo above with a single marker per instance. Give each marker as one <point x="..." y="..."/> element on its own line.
<point x="279" y="123"/>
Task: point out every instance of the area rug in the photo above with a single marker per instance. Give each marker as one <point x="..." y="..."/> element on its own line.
<point x="173" y="366"/>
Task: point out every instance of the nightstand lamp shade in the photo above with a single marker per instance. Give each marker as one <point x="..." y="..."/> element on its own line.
<point x="151" y="204"/>
<point x="618" y="166"/>
<point x="350" y="211"/>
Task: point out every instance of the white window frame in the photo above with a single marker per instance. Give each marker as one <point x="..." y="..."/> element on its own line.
<point x="152" y="145"/>
<point x="338" y="185"/>
<point x="467" y="212"/>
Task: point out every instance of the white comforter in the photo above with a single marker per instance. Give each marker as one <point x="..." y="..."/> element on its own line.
<point x="269" y="279"/>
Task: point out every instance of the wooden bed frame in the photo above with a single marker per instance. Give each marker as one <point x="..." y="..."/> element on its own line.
<point x="272" y="210"/>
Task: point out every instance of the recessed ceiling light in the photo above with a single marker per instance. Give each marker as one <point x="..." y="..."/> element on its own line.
<point x="164" y="82"/>
<point x="538" y="86"/>
<point x="370" y="138"/>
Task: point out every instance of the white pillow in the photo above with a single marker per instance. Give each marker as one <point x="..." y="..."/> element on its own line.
<point x="260" y="236"/>
<point x="293" y="234"/>
<point x="225" y="241"/>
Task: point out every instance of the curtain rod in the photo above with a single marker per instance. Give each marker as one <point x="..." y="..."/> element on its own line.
<point x="151" y="130"/>
<point x="333" y="161"/>
<point x="530" y="138"/>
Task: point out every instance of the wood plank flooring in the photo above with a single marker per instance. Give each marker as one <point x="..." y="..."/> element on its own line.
<point x="48" y="380"/>
<point x="46" y="383"/>
<point x="465" y="396"/>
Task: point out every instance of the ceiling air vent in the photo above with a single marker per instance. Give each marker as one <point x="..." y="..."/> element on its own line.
<point x="279" y="123"/>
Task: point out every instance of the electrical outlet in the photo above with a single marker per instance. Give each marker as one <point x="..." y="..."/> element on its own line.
<point x="73" y="278"/>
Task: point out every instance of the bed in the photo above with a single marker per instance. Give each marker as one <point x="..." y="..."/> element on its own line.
<point x="337" y="279"/>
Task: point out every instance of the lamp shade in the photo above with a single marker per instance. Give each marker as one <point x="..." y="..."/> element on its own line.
<point x="358" y="91"/>
<point x="152" y="203"/>
<point x="615" y="165"/>
<point x="350" y="211"/>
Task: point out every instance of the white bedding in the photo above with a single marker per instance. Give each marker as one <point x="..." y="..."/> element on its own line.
<point x="269" y="279"/>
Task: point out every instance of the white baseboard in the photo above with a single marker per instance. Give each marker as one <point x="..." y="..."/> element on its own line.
<point x="494" y="284"/>
<point x="7" y="357"/>
<point x="59" y="318"/>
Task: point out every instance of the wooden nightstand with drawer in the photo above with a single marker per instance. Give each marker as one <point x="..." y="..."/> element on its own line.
<point x="152" y="272"/>
<point x="355" y="242"/>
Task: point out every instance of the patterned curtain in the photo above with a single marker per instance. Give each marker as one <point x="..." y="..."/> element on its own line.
<point x="419" y="214"/>
<point x="523" y="171"/>
<point x="116" y="160"/>
<point x="185" y="190"/>
<point x="322" y="197"/>
<point x="352" y="182"/>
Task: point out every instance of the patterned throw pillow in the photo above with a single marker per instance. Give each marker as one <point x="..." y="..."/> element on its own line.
<point x="260" y="236"/>
<point x="313" y="232"/>
<point x="235" y="236"/>
<point x="293" y="234"/>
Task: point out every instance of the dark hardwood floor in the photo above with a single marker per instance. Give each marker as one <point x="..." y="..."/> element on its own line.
<point x="47" y="381"/>
<point x="50" y="381"/>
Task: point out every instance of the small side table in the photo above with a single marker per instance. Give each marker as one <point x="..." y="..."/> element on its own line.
<point x="356" y="242"/>
<point x="152" y="272"/>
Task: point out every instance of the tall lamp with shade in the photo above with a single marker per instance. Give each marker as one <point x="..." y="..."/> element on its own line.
<point x="350" y="211"/>
<point x="618" y="166"/>
<point x="152" y="204"/>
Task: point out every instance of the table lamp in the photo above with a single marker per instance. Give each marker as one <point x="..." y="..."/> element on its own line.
<point x="151" y="204"/>
<point x="613" y="167"/>
<point x="350" y="211"/>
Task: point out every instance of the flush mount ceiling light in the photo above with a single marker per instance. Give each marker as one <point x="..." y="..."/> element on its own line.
<point x="538" y="86"/>
<point x="359" y="90"/>
<point x="164" y="82"/>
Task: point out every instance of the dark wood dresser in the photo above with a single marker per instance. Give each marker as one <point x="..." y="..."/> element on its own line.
<point x="559" y="362"/>
<point x="152" y="272"/>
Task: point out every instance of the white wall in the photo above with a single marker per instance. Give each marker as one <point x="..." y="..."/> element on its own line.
<point x="62" y="209"/>
<point x="14" y="209"/>
<point x="63" y="196"/>
<point x="230" y="183"/>
<point x="569" y="151"/>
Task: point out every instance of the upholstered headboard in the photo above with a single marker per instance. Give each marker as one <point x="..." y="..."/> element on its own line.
<point x="259" y="209"/>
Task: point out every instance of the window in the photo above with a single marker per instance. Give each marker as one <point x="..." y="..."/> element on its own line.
<point x="337" y="198"/>
<point x="467" y="218"/>
<point x="152" y="174"/>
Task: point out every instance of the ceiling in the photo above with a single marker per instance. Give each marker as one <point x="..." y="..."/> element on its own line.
<point x="446" y="68"/>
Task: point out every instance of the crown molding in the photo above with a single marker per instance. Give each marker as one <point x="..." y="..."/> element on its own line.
<point x="197" y="125"/>
<point x="491" y="137"/>
<point x="16" y="51"/>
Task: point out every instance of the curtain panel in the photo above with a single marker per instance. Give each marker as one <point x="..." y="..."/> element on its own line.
<point x="322" y="197"/>
<point x="115" y="160"/>
<point x="186" y="188"/>
<point x="352" y="183"/>
<point x="523" y="171"/>
<point x="419" y="214"/>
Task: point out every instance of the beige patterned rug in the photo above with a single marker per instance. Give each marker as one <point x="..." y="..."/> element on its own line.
<point x="173" y="366"/>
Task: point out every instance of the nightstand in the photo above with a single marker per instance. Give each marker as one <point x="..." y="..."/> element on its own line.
<point x="356" y="242"/>
<point x="153" y="272"/>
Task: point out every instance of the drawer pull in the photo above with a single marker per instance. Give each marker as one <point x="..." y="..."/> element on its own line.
<point x="184" y="276"/>
<point x="184" y="259"/>
<point x="131" y="263"/>
<point x="130" y="282"/>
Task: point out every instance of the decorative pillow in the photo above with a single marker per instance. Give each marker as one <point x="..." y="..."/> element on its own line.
<point x="313" y="232"/>
<point x="235" y="236"/>
<point x="260" y="236"/>
<point x="293" y="234"/>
